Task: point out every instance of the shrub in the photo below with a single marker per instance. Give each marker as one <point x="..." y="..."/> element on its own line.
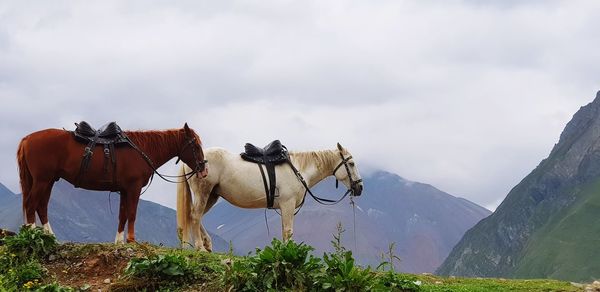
<point x="390" y="281"/>
<point x="159" y="267"/>
<point x="30" y="242"/>
<point x="340" y="273"/>
<point x="281" y="266"/>
<point x="19" y="258"/>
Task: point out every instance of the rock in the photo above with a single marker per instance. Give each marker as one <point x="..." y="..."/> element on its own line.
<point x="52" y="257"/>
<point x="107" y="281"/>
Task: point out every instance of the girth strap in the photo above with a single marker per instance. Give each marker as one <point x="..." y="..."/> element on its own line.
<point x="272" y="186"/>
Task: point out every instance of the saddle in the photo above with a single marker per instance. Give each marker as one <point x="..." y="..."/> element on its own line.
<point x="109" y="136"/>
<point x="272" y="154"/>
<point x="110" y="133"/>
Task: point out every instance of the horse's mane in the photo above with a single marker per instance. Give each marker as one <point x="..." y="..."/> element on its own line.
<point x="323" y="158"/>
<point x="154" y="138"/>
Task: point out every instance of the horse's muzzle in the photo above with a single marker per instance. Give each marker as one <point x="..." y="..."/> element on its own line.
<point x="203" y="173"/>
<point x="357" y="190"/>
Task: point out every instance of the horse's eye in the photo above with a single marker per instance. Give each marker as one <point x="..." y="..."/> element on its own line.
<point x="351" y="164"/>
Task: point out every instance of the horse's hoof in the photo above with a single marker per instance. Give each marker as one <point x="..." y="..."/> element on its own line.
<point x="131" y="240"/>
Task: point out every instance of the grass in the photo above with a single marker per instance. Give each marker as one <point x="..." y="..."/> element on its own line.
<point x="137" y="267"/>
<point x="211" y="266"/>
<point x="567" y="246"/>
<point x="445" y="284"/>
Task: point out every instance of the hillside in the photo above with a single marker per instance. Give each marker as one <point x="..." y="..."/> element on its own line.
<point x="138" y="267"/>
<point x="548" y="225"/>
<point x="79" y="215"/>
<point x="424" y="222"/>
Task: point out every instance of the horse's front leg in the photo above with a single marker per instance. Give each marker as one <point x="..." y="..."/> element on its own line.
<point x="120" y="237"/>
<point x="133" y="197"/>
<point x="287" y="218"/>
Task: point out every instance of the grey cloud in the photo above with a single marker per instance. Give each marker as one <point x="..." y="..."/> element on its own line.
<point x="467" y="96"/>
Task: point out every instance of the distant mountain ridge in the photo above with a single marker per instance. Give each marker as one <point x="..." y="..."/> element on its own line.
<point x="424" y="222"/>
<point x="87" y="216"/>
<point x="549" y="224"/>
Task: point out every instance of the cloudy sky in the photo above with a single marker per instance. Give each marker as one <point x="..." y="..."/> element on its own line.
<point x="468" y="96"/>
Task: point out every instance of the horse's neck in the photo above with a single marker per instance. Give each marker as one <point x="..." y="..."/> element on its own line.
<point x="315" y="166"/>
<point x="159" y="146"/>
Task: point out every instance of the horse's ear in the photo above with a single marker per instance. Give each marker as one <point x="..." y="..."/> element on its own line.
<point x="340" y="146"/>
<point x="187" y="129"/>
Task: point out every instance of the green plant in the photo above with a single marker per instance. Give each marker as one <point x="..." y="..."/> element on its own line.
<point x="340" y="273"/>
<point x="391" y="258"/>
<point x="390" y="281"/>
<point x="281" y="266"/>
<point x="159" y="267"/>
<point x="20" y="268"/>
<point x="22" y="276"/>
<point x="30" y="242"/>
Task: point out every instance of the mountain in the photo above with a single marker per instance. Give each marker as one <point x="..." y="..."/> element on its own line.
<point x="87" y="216"/>
<point x="424" y="222"/>
<point x="549" y="224"/>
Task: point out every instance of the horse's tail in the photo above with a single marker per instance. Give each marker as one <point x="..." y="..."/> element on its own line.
<point x="184" y="208"/>
<point x="24" y="176"/>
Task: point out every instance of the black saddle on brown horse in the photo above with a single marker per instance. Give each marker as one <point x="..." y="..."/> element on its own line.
<point x="109" y="136"/>
<point x="272" y="154"/>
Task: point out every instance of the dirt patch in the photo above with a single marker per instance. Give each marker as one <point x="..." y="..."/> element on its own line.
<point x="96" y="266"/>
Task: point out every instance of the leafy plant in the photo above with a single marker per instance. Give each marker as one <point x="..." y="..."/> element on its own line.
<point x="19" y="258"/>
<point x="281" y="266"/>
<point x="390" y="281"/>
<point x="21" y="276"/>
<point x="391" y="258"/>
<point x="340" y="273"/>
<point x="30" y="242"/>
<point x="159" y="267"/>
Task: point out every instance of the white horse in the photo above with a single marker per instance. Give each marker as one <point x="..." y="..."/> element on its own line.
<point x="241" y="184"/>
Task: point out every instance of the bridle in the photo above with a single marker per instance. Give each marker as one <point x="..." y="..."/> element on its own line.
<point x="325" y="201"/>
<point x="200" y="164"/>
<point x="344" y="162"/>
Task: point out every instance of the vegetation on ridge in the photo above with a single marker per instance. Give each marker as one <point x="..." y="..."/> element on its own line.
<point x="282" y="266"/>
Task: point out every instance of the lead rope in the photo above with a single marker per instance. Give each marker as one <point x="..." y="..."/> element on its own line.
<point x="354" y="222"/>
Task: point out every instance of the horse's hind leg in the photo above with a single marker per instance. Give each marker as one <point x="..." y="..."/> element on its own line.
<point x="122" y="218"/>
<point x="212" y="199"/>
<point x="39" y="195"/>
<point x="42" y="207"/>
<point x="201" y="193"/>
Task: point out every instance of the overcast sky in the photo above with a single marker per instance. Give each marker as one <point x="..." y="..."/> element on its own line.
<point x="468" y="96"/>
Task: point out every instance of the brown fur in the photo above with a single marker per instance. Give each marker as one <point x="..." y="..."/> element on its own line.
<point x="46" y="156"/>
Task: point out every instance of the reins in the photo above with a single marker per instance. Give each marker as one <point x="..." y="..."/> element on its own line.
<point x="166" y="177"/>
<point x="324" y="201"/>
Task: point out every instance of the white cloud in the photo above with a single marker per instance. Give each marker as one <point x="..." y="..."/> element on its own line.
<point x="466" y="95"/>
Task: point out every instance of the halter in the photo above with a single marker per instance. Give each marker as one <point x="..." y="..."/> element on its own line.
<point x="344" y="162"/>
<point x="324" y="201"/>
<point x="200" y="164"/>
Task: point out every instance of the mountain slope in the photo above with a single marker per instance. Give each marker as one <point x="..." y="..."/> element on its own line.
<point x="87" y="216"/>
<point x="424" y="222"/>
<point x="548" y="224"/>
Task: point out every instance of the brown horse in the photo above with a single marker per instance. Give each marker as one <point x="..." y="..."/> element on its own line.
<point x="48" y="155"/>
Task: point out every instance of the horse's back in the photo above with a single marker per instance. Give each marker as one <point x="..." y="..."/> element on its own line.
<point x="239" y="181"/>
